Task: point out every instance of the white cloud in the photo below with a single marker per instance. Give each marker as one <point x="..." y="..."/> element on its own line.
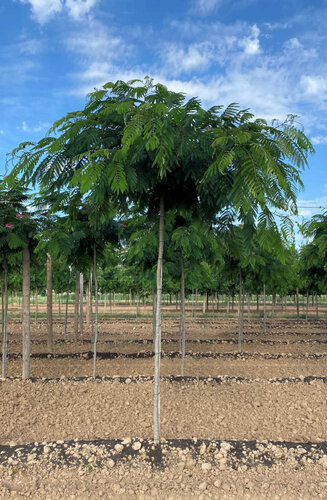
<point x="36" y="128"/>
<point x="78" y="8"/>
<point x="319" y="139"/>
<point x="96" y="43"/>
<point x="314" y="85"/>
<point x="206" y="6"/>
<point x="251" y="44"/>
<point x="44" y="10"/>
<point x="195" y="57"/>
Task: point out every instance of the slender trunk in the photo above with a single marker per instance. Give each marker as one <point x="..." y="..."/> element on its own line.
<point x="264" y="309"/>
<point x="297" y="303"/>
<point x="49" y="303"/>
<point x="257" y="302"/>
<point x="76" y="305"/>
<point x="228" y="303"/>
<point x="273" y="306"/>
<point x="137" y="304"/>
<point x="317" y="307"/>
<point x="182" y="316"/>
<point x="196" y="302"/>
<point x="233" y="300"/>
<point x="26" y="313"/>
<point x="81" y="304"/>
<point x="249" y="306"/>
<point x="96" y="311"/>
<point x="205" y="302"/>
<point x="157" y="352"/>
<point x="4" y="301"/>
<point x="66" y="313"/>
<point x="307" y="308"/>
<point x="241" y="315"/>
<point x="154" y="314"/>
<point x="88" y="302"/>
<point x="36" y="305"/>
<point x="192" y="303"/>
<point x="59" y="305"/>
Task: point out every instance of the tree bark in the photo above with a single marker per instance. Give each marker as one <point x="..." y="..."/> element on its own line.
<point x="4" y="302"/>
<point x="264" y="309"/>
<point x="96" y="311"/>
<point x="81" y="304"/>
<point x="157" y="351"/>
<point x="26" y="313"/>
<point x="182" y="314"/>
<point x="241" y="316"/>
<point x="89" y="303"/>
<point x="307" y="308"/>
<point x="49" y="303"/>
<point x="297" y="303"/>
<point x="154" y="307"/>
<point x="273" y="306"/>
<point x="36" y="305"/>
<point x="66" y="313"/>
<point x="317" y="307"/>
<point x="76" y="311"/>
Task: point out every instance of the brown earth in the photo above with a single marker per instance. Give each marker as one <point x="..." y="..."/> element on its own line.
<point x="255" y="410"/>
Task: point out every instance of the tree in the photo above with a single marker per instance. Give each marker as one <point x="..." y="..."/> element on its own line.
<point x="145" y="144"/>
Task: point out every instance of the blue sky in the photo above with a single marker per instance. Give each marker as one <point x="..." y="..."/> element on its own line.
<point x="268" y="56"/>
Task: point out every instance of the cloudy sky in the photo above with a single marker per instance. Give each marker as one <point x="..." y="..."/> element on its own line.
<point x="268" y="56"/>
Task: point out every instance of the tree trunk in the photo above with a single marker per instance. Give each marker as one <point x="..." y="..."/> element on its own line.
<point x="137" y="304"/>
<point x="154" y="307"/>
<point x="89" y="303"/>
<point x="297" y="303"/>
<point x="4" y="302"/>
<point x="81" y="304"/>
<point x="257" y="302"/>
<point x="205" y="302"/>
<point x="307" y="308"/>
<point x="182" y="315"/>
<point x="66" y="313"/>
<point x="157" y="352"/>
<point x="241" y="316"/>
<point x="317" y="307"/>
<point x="49" y="303"/>
<point x="228" y="303"/>
<point x="36" y="305"/>
<point x="264" y="309"/>
<point x="76" y="311"/>
<point x="273" y="306"/>
<point x="249" y="307"/>
<point x="26" y="313"/>
<point x="96" y="311"/>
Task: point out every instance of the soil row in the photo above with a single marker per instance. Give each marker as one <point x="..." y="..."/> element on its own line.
<point x="178" y="379"/>
<point x="210" y="453"/>
<point x="172" y="341"/>
<point x="171" y="354"/>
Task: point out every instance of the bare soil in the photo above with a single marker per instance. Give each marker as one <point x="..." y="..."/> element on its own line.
<point x="258" y="409"/>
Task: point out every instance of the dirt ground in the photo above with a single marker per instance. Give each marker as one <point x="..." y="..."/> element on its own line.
<point x="256" y="410"/>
